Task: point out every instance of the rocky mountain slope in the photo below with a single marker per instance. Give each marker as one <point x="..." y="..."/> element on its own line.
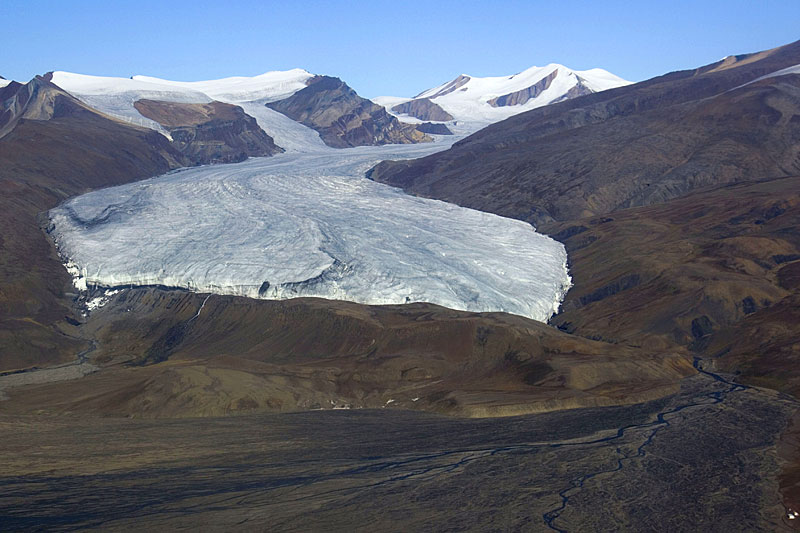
<point x="210" y="133"/>
<point x="423" y="109"/>
<point x="57" y="148"/>
<point x="681" y="272"/>
<point x="36" y="100"/>
<point x="344" y="119"/>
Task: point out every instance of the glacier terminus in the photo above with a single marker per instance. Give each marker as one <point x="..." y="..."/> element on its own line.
<point x="309" y="225"/>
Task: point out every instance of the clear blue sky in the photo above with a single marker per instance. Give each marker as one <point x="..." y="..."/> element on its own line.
<point x="382" y="48"/>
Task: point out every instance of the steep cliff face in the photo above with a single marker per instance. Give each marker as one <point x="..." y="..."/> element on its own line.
<point x="210" y="133"/>
<point x="423" y="109"/>
<point x="344" y="119"/>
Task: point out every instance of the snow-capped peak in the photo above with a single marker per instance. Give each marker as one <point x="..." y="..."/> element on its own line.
<point x="270" y="86"/>
<point x="482" y="100"/>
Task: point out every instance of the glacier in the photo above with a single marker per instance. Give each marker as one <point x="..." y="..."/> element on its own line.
<point x="308" y="225"/>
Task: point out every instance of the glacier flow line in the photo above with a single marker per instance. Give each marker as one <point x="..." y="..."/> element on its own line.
<point x="201" y="308"/>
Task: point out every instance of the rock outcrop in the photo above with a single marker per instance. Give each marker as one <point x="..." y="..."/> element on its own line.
<point x="423" y="109"/>
<point x="35" y="100"/>
<point x="457" y="83"/>
<point x="344" y="119"/>
<point x="523" y="95"/>
<point x="210" y="133"/>
<point x="579" y="89"/>
<point x="434" y="128"/>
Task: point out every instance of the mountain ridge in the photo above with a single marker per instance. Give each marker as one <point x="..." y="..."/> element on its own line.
<point x="486" y="100"/>
<point x="258" y="96"/>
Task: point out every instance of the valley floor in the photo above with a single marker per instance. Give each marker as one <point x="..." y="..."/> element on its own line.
<point x="708" y="452"/>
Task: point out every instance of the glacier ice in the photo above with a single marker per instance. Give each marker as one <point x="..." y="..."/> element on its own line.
<point x="309" y="224"/>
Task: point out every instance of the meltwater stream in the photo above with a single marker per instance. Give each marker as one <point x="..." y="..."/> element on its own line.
<point x="309" y="224"/>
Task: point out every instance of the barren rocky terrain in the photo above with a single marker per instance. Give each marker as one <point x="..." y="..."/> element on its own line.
<point x="703" y="459"/>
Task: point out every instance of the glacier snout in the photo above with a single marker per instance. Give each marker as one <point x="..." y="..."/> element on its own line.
<point x="309" y="225"/>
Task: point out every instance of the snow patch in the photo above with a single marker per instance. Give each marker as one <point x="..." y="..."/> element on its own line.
<point x="270" y="86"/>
<point x="783" y="72"/>
<point x="99" y="301"/>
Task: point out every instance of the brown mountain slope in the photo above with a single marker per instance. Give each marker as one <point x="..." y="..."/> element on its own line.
<point x="704" y="265"/>
<point x="344" y="119"/>
<point x="173" y="354"/>
<point x="636" y="145"/>
<point x="210" y="133"/>
<point x="764" y="347"/>
<point x="57" y="148"/>
<point x="677" y="272"/>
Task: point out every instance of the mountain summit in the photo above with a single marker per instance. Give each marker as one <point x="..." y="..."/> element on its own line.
<point x="491" y="99"/>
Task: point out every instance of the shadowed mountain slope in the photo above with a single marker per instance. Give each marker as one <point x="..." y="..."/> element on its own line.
<point x="679" y="272"/>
